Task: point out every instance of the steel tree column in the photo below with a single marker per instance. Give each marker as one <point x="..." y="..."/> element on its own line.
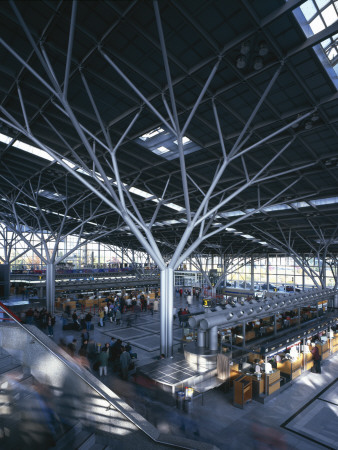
<point x="50" y="287"/>
<point x="252" y="273"/>
<point x="166" y="311"/>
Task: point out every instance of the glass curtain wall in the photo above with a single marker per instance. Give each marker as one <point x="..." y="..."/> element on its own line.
<point x="281" y="270"/>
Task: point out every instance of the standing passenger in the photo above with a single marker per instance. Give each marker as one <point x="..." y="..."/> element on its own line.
<point x="88" y="320"/>
<point x="103" y="359"/>
<point x="124" y="362"/>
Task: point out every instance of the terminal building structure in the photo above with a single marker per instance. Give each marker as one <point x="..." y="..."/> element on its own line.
<point x="185" y="152"/>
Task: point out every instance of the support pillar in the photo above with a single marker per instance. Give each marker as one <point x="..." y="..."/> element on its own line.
<point x="4" y="280"/>
<point x="201" y="338"/>
<point x="252" y="273"/>
<point x="275" y="324"/>
<point x="213" y="338"/>
<point x="298" y="315"/>
<point x="267" y="272"/>
<point x="50" y="287"/>
<point x="243" y="332"/>
<point x="166" y="311"/>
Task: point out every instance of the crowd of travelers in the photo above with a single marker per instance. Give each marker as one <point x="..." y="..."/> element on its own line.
<point x="114" y="354"/>
<point x="41" y="318"/>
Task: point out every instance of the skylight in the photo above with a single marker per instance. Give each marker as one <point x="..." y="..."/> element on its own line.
<point x="300" y="205"/>
<point x="276" y="208"/>
<point x="163" y="143"/>
<point x="5" y="139"/>
<point x="173" y="206"/>
<point x="324" y="201"/>
<point x="162" y="149"/>
<point x="151" y="134"/>
<point x="54" y="196"/>
<point x="319" y="14"/>
<point x="51" y="195"/>
<point x="315" y="16"/>
<point x="32" y="150"/>
<point x="171" y="222"/>
<point x="139" y="192"/>
<point x="185" y="140"/>
<point x="232" y="213"/>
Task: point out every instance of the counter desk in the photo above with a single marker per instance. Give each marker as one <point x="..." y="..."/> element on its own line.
<point x="242" y="390"/>
<point x="291" y="368"/>
<point x="334" y="343"/>
<point x="308" y="363"/>
<point x="264" y="383"/>
<point x="323" y="349"/>
<point x="272" y="381"/>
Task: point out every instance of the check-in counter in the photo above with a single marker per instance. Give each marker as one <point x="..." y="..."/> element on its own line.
<point x="323" y="349"/>
<point x="234" y="372"/>
<point x="334" y="343"/>
<point x="242" y="390"/>
<point x="308" y="360"/>
<point x="291" y="368"/>
<point x="71" y="304"/>
<point x="272" y="381"/>
<point x="258" y="385"/>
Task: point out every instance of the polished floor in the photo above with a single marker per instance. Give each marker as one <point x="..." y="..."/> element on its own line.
<point x="304" y="416"/>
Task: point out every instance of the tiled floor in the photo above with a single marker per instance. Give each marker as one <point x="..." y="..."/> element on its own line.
<point x="304" y="416"/>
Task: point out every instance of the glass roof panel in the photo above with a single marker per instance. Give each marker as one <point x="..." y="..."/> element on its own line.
<point x="151" y="134"/>
<point x="32" y="150"/>
<point x="322" y="3"/>
<point x="317" y="25"/>
<point x="163" y="143"/>
<point x="308" y="9"/>
<point x="313" y="17"/>
<point x="329" y="15"/>
<point x="5" y="139"/>
<point x="324" y="201"/>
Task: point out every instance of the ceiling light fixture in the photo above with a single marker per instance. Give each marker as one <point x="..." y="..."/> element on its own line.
<point x="245" y="48"/>
<point x="241" y="62"/>
<point x="263" y="49"/>
<point x="258" y="63"/>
